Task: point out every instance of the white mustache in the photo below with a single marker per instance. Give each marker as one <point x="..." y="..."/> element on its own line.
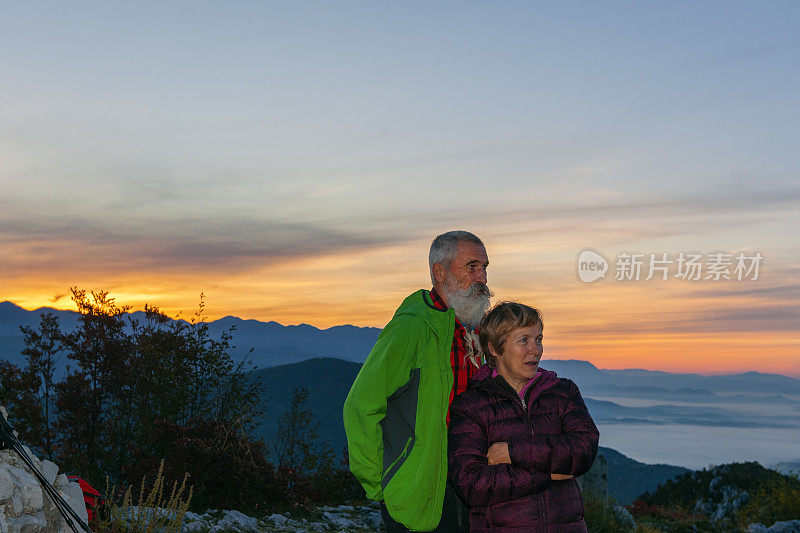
<point x="480" y="288"/>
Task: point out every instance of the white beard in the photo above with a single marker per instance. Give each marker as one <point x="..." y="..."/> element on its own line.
<point x="470" y="305"/>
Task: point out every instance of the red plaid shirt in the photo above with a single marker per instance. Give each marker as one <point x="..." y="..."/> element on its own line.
<point x="463" y="369"/>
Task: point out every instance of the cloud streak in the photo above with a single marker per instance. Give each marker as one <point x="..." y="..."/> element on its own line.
<point x="234" y="241"/>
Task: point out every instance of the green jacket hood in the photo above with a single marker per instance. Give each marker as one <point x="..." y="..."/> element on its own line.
<point x="420" y="304"/>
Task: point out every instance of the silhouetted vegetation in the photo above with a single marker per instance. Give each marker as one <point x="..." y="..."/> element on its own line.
<point x="296" y="446"/>
<point x="143" y="387"/>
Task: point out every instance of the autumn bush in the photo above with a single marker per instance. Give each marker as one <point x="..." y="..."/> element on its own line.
<point x="669" y="518"/>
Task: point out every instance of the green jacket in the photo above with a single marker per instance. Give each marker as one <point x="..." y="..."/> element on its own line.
<point x="394" y="415"/>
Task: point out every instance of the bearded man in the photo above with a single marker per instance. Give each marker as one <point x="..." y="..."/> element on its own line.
<point x="397" y="411"/>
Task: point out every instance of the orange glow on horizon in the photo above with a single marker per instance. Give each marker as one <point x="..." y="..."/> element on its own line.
<point x="672" y="326"/>
<point x="679" y="352"/>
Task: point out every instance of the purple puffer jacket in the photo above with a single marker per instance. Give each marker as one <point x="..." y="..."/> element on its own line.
<point x="554" y="434"/>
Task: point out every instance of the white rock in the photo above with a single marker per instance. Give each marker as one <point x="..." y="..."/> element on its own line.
<point x="374" y="520"/>
<point x="237" y="521"/>
<point x="16" y="505"/>
<point x="28" y="524"/>
<point x="26" y="508"/>
<point x="6" y="483"/>
<point x="75" y="499"/>
<point x="31" y="456"/>
<point x="61" y="481"/>
<point x="624" y="516"/>
<point x="194" y="522"/>
<point x="339" y="521"/>
<point x="22" y="476"/>
<point x="279" y="519"/>
<point x="293" y="524"/>
<point x="792" y="526"/>
<point x="30" y="491"/>
<point x="49" y="470"/>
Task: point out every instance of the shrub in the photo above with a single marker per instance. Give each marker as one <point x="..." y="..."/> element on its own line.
<point x="339" y="485"/>
<point x="227" y="468"/>
<point x="668" y="518"/>
<point x="725" y="496"/>
<point x="305" y="465"/>
<point x="604" y="516"/>
<point x="776" y="500"/>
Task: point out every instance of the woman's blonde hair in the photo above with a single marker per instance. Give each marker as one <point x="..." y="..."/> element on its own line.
<point x="501" y="320"/>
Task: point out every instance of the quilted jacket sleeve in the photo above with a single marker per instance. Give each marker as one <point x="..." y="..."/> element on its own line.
<point x="477" y="482"/>
<point x="571" y="452"/>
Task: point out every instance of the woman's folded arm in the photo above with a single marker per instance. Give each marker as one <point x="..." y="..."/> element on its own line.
<point x="476" y="481"/>
<point x="571" y="452"/>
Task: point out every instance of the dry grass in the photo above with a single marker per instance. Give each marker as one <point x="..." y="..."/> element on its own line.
<point x="151" y="511"/>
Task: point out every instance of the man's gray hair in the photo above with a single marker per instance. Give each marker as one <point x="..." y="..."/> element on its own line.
<point x="445" y="246"/>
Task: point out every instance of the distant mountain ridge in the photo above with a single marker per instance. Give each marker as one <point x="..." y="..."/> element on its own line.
<point x="589" y="377"/>
<point x="274" y="344"/>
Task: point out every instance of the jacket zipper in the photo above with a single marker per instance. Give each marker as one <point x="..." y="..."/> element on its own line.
<point x="518" y="401"/>
<point x="401" y="457"/>
<point x="515" y="398"/>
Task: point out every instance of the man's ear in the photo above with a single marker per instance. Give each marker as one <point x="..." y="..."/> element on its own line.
<point x="439" y="272"/>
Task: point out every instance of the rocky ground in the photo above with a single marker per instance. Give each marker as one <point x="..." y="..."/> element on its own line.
<point x="791" y="526"/>
<point x="342" y="518"/>
<point x="24" y="506"/>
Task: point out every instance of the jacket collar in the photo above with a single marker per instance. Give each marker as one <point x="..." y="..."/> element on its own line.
<point x="545" y="380"/>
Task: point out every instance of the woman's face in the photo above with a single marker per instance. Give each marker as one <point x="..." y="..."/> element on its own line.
<point x="521" y="355"/>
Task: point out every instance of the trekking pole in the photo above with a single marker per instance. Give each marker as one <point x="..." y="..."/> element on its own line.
<point x="9" y="440"/>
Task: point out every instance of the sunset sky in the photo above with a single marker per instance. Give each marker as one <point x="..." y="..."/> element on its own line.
<point x="293" y="161"/>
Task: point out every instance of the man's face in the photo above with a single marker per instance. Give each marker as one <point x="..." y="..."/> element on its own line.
<point x="463" y="285"/>
<point x="468" y="267"/>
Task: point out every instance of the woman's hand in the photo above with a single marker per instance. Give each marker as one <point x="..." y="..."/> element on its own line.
<point x="498" y="453"/>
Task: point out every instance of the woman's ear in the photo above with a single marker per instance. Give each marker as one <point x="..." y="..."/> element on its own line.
<point x="493" y="350"/>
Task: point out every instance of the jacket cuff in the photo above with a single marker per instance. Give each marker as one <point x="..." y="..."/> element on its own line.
<point x="376" y="494"/>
